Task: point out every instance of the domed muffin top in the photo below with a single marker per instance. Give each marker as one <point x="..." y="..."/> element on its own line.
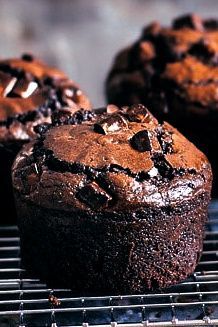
<point x="182" y="58"/>
<point x="30" y="90"/>
<point x="130" y="138"/>
<point x="119" y="160"/>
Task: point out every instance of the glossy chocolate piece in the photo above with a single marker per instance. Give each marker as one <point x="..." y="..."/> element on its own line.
<point x="111" y="124"/>
<point x="140" y="141"/>
<point x="93" y="196"/>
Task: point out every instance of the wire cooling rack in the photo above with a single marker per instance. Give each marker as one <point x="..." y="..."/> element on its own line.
<point x="24" y="302"/>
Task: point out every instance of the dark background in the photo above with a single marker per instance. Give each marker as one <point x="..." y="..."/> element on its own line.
<point x="82" y="36"/>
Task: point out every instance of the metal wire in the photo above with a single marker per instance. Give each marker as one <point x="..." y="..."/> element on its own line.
<point x="24" y="301"/>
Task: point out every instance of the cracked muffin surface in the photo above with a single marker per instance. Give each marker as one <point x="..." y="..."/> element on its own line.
<point x="123" y="159"/>
<point x="124" y="188"/>
<point x="173" y="70"/>
<point x="30" y="91"/>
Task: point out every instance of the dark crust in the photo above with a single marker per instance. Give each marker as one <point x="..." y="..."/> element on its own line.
<point x="173" y="169"/>
<point x="112" y="253"/>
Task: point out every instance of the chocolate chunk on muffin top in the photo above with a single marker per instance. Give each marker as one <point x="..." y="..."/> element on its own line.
<point x="112" y="161"/>
<point x="29" y="91"/>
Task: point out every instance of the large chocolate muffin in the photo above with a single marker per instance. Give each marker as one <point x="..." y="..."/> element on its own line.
<point x="174" y="71"/>
<point x="111" y="206"/>
<point x="29" y="92"/>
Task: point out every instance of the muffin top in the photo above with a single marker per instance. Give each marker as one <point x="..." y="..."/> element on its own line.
<point x="117" y="159"/>
<point x="29" y="91"/>
<point x="182" y="59"/>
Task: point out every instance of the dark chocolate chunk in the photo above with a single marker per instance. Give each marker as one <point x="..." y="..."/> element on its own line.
<point x="18" y="72"/>
<point x="111" y="124"/>
<point x="163" y="166"/>
<point x="61" y="116"/>
<point x="49" y="81"/>
<point x="140" y="141"/>
<point x="5" y="67"/>
<point x="190" y="21"/>
<point x="42" y="128"/>
<point x="99" y="129"/>
<point x="93" y="196"/>
<point x="138" y="114"/>
<point x="27" y="57"/>
<point x="205" y="50"/>
<point x="71" y="116"/>
<point x="65" y="116"/>
<point x="211" y="24"/>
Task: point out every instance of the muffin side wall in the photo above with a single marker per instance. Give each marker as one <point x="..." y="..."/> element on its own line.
<point x="112" y="254"/>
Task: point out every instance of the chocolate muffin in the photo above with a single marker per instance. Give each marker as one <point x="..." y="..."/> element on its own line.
<point x="115" y="205"/>
<point x="29" y="92"/>
<point x="174" y="71"/>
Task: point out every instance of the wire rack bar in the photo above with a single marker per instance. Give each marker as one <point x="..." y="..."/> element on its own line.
<point x="24" y="301"/>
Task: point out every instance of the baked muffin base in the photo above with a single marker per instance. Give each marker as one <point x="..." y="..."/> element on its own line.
<point x="119" y="253"/>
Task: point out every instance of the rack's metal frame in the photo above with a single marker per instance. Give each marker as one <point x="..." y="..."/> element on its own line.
<point x="24" y="301"/>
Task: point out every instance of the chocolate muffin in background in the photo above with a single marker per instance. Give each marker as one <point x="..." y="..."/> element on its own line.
<point x="174" y="71"/>
<point x="29" y="92"/>
<point x="115" y="205"/>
